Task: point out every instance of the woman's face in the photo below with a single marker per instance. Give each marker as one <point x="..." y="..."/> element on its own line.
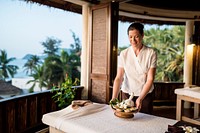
<point x="135" y="38"/>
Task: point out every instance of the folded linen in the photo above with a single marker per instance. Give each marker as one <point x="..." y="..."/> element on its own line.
<point x="79" y="112"/>
<point x="80" y="103"/>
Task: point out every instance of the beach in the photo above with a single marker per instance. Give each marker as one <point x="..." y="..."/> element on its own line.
<point x="21" y="78"/>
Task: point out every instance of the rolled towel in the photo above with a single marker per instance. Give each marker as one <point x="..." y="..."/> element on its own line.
<point x="80" y="103"/>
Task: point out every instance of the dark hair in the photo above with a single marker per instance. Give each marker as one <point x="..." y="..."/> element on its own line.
<point x="136" y="26"/>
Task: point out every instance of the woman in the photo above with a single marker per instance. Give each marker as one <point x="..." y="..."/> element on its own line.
<point x="136" y="70"/>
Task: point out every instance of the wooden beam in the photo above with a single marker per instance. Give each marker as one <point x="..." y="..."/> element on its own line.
<point x="155" y="13"/>
<point x="78" y="2"/>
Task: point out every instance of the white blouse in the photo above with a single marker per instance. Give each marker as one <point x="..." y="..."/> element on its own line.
<point x="136" y="68"/>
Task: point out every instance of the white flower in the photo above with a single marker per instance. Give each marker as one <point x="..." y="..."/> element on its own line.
<point x="189" y="129"/>
<point x="129" y="103"/>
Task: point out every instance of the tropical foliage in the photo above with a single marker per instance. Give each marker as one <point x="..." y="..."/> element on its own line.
<point x="74" y="58"/>
<point x="56" y="65"/>
<point x="65" y="93"/>
<point x="169" y="44"/>
<point x="6" y="69"/>
<point x="53" y="70"/>
<point x="51" y="46"/>
<point x="33" y="61"/>
<point x="38" y="77"/>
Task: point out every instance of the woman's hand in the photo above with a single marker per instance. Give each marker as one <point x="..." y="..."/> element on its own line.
<point x="138" y="103"/>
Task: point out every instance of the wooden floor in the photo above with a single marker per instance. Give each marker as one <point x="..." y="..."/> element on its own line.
<point x="165" y="111"/>
<point x="170" y="111"/>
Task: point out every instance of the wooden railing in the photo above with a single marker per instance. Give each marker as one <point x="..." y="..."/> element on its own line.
<point x="163" y="93"/>
<point x="23" y="113"/>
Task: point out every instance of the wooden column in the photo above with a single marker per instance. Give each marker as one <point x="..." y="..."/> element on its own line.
<point x="188" y="57"/>
<point x="196" y="55"/>
<point x="188" y="53"/>
<point x="85" y="51"/>
<point x="103" y="50"/>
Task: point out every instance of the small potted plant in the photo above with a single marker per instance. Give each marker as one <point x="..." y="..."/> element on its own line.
<point x="65" y="93"/>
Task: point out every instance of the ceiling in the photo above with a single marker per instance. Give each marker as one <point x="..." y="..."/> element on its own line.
<point x="171" y="10"/>
<point x="191" y="5"/>
<point x="184" y="5"/>
<point x="156" y="11"/>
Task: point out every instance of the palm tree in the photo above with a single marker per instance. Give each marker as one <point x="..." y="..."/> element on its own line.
<point x="33" y="61"/>
<point x="51" y="46"/>
<point x="7" y="70"/>
<point x="76" y="47"/>
<point x="74" y="58"/>
<point x="53" y="71"/>
<point x="169" y="44"/>
<point x="65" y="59"/>
<point x="175" y="54"/>
<point x="55" y="66"/>
<point x="75" y="63"/>
<point x="38" y="78"/>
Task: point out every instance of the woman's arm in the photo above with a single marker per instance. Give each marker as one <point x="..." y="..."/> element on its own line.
<point x="117" y="82"/>
<point x="146" y="87"/>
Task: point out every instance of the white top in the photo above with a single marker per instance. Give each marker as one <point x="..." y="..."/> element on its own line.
<point x="100" y="118"/>
<point x="136" y="68"/>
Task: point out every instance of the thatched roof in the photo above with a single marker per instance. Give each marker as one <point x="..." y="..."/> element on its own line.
<point x="8" y="89"/>
<point x="60" y="4"/>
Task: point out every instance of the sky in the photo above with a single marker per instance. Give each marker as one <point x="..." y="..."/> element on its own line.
<point x="24" y="26"/>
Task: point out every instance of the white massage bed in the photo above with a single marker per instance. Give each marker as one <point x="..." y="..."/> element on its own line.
<point x="100" y="118"/>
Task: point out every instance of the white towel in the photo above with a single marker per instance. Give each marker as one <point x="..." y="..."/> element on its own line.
<point x="82" y="111"/>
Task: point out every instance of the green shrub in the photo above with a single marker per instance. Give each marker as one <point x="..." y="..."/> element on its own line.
<point x="65" y="93"/>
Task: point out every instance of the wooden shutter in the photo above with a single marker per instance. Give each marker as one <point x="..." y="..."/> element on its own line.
<point x="103" y="51"/>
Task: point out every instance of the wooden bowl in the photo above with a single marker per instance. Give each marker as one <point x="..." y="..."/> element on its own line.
<point x="123" y="114"/>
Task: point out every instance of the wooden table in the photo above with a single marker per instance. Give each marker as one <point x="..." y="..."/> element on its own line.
<point x="190" y="95"/>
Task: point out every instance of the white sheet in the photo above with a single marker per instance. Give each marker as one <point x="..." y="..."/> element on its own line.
<point x="99" y="118"/>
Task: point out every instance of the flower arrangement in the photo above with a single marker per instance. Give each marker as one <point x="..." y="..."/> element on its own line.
<point x="189" y="129"/>
<point x="182" y="129"/>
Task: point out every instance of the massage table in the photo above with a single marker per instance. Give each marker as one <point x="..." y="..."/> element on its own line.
<point x="100" y="118"/>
